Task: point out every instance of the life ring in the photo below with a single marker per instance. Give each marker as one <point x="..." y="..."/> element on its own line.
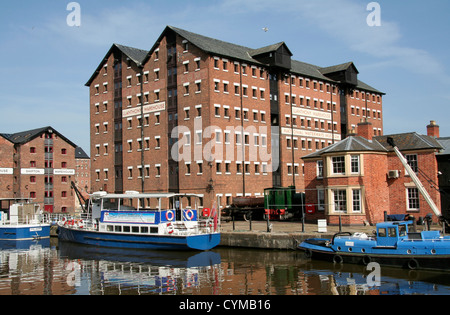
<point x="189" y="214"/>
<point x="337" y="259"/>
<point x="366" y="260"/>
<point x="308" y="253"/>
<point x="170" y="215"/>
<point x="206" y="212"/>
<point x="170" y="228"/>
<point x="413" y="264"/>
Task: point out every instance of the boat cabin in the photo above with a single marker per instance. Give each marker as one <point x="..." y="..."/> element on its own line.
<point x="389" y="233"/>
<point x="110" y="214"/>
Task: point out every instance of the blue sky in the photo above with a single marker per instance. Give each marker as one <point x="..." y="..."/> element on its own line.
<point x="45" y="63"/>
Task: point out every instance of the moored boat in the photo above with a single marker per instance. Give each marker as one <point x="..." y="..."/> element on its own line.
<point x="394" y="244"/>
<point x="112" y="224"/>
<point x="22" y="221"/>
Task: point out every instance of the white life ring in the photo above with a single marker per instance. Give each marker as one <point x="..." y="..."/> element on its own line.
<point x="170" y="228"/>
<point x="189" y="214"/>
<point x="170" y="215"/>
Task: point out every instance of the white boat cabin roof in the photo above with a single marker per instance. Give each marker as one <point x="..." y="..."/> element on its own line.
<point x="137" y="195"/>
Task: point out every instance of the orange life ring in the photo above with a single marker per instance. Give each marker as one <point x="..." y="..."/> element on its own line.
<point x="170" y="228"/>
<point x="189" y="214"/>
<point x="170" y="215"/>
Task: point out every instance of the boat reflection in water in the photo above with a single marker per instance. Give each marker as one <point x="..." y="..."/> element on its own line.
<point x="24" y="245"/>
<point x="67" y="268"/>
<point x="138" y="271"/>
<point x="338" y="279"/>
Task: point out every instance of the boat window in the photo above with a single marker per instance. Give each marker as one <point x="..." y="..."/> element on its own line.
<point x="392" y="232"/>
<point x="154" y="230"/>
<point x="402" y="231"/>
<point x="382" y="232"/>
<point x="144" y="229"/>
<point x="126" y="229"/>
<point x="117" y="228"/>
<point x="135" y="229"/>
<point x="109" y="228"/>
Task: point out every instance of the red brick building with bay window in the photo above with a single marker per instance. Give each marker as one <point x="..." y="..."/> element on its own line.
<point x="360" y="178"/>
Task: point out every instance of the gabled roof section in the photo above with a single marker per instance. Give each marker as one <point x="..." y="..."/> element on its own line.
<point x="26" y="136"/>
<point x="270" y="48"/>
<point x="445" y="142"/>
<point x="349" y="144"/>
<point x="337" y="68"/>
<point x="136" y="55"/>
<point x="80" y="154"/>
<point x="238" y="52"/>
<point x="215" y="46"/>
<point x="410" y="142"/>
<point x="6" y="136"/>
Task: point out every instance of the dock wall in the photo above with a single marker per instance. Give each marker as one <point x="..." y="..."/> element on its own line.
<point x="282" y="241"/>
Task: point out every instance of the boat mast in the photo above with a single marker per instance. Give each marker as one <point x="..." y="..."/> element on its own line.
<point x="415" y="179"/>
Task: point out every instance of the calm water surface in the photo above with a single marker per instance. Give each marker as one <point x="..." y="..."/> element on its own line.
<point x="60" y="268"/>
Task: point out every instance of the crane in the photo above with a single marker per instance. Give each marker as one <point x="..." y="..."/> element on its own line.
<point x="415" y="179"/>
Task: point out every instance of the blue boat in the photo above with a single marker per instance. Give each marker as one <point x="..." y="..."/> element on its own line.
<point x="110" y="223"/>
<point x="22" y="221"/>
<point x="395" y="244"/>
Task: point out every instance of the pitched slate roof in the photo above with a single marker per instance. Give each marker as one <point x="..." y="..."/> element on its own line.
<point x="405" y="142"/>
<point x="349" y="144"/>
<point x="225" y="49"/>
<point x="338" y="68"/>
<point x="410" y="141"/>
<point x="80" y="154"/>
<point x="136" y="55"/>
<point x="28" y="135"/>
<point x="267" y="49"/>
<point x="445" y="142"/>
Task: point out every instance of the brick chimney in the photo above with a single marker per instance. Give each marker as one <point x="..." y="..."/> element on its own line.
<point x="365" y="129"/>
<point x="433" y="129"/>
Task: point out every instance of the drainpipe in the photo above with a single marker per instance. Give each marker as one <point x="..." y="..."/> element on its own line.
<point x="141" y="72"/>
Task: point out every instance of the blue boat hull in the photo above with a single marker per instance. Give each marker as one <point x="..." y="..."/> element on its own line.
<point x="24" y="232"/>
<point x="159" y="242"/>
<point x="316" y="249"/>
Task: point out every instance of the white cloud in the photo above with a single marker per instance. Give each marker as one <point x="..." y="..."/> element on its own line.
<point x="345" y="21"/>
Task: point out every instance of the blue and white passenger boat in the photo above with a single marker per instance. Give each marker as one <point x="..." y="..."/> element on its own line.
<point x="112" y="223"/>
<point x="393" y="245"/>
<point x="22" y="221"/>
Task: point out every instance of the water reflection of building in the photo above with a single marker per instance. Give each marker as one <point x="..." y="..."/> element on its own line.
<point x="32" y="271"/>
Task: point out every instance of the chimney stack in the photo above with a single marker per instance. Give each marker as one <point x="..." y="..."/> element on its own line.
<point x="433" y="129"/>
<point x="365" y="129"/>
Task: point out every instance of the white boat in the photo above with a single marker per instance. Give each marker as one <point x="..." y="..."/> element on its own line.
<point x="22" y="221"/>
<point x="110" y="223"/>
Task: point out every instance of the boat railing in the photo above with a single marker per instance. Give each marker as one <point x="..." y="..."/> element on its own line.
<point x="34" y="219"/>
<point x="433" y="240"/>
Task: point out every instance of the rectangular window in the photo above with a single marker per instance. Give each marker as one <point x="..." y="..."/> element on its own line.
<point x="412" y="161"/>
<point x="357" y="200"/>
<point x="355" y="164"/>
<point x="320" y="169"/>
<point x="321" y="199"/>
<point x="338" y="165"/>
<point x="413" y="199"/>
<point x="340" y="201"/>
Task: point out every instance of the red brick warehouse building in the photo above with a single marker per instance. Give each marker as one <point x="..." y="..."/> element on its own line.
<point x="245" y="116"/>
<point x="357" y="179"/>
<point x="38" y="165"/>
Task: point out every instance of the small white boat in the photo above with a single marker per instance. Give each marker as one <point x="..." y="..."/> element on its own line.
<point x="22" y="221"/>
